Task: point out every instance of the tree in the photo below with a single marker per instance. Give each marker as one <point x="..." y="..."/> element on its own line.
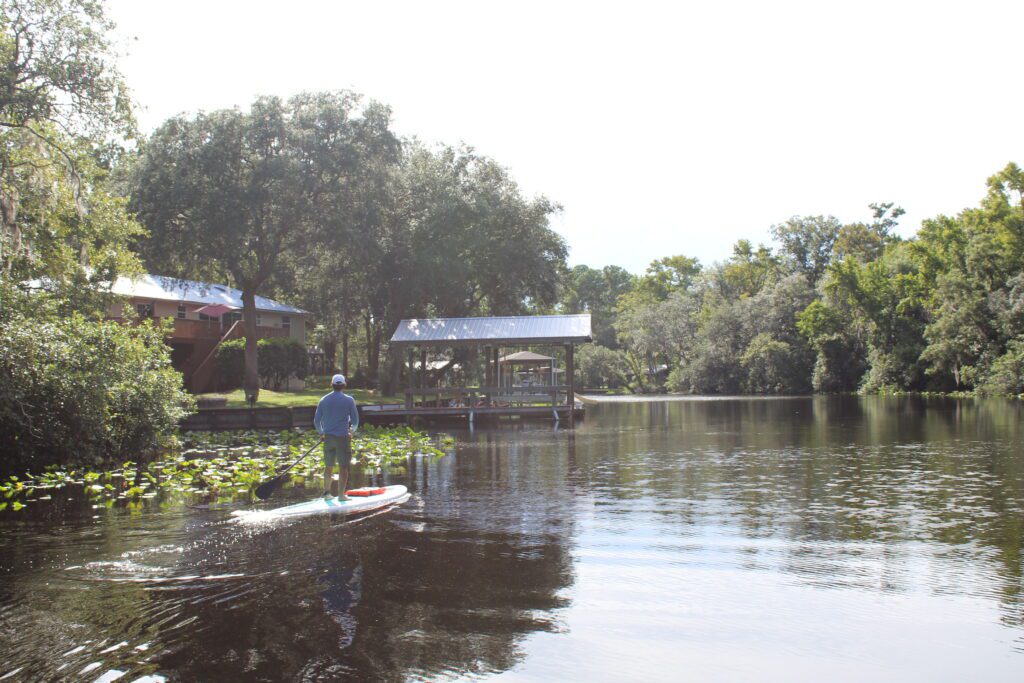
<point x="866" y="241"/>
<point x="597" y="291"/>
<point x="833" y="335"/>
<point x="807" y="243"/>
<point x="599" y="366"/>
<point x="769" y="364"/>
<point x="1006" y="377"/>
<point x="959" y="329"/>
<point x="458" y="238"/>
<point x="887" y="297"/>
<point x="58" y="88"/>
<point x="239" y="196"/>
<point x="746" y="272"/>
<point x="712" y="365"/>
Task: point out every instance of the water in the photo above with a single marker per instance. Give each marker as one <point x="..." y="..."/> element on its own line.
<point x="797" y="539"/>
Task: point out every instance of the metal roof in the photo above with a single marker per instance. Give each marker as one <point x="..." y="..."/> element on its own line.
<point x="162" y="288"/>
<point x="523" y="329"/>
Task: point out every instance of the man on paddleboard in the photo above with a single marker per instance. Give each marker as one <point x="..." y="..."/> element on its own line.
<point x="337" y="419"/>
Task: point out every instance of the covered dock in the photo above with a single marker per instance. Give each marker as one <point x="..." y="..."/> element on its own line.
<point x="545" y="389"/>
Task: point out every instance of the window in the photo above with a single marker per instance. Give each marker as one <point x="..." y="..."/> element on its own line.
<point x="228" y="319"/>
<point x="286" y="322"/>
<point x="259" y="320"/>
<point x="203" y="316"/>
<point x="144" y="310"/>
<point x="181" y="313"/>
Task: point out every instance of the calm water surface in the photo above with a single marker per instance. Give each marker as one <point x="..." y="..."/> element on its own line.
<point x="798" y="539"/>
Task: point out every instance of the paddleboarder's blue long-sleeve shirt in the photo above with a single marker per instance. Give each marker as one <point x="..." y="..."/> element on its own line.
<point x="335" y="413"/>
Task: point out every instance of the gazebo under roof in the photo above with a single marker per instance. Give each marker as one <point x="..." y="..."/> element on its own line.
<point x="525" y="358"/>
<point x="493" y="334"/>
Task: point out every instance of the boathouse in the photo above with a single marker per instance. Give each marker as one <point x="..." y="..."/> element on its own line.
<point x="544" y="389"/>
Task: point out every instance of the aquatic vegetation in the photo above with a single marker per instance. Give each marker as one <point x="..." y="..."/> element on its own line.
<point x="224" y="465"/>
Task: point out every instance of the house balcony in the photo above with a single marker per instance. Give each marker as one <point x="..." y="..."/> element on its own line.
<point x="186" y="330"/>
<point x="213" y="329"/>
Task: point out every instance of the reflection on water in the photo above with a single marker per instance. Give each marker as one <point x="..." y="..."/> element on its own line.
<point x="738" y="539"/>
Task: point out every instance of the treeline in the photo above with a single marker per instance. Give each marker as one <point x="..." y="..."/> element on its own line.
<point x="317" y="201"/>
<point x="832" y="307"/>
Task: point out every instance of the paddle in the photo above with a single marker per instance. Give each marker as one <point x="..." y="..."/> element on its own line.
<point x="267" y="488"/>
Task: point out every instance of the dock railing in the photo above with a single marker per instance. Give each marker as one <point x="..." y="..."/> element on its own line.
<point x="486" y="397"/>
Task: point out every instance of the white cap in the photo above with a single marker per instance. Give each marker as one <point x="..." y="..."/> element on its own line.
<point x="338" y="379"/>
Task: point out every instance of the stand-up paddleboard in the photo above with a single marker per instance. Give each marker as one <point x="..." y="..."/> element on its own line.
<point x="360" y="500"/>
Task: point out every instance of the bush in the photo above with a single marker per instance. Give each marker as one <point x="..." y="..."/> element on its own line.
<point x="230" y="364"/>
<point x="772" y="367"/>
<point x="83" y="391"/>
<point x="278" y="359"/>
<point x="1006" y="377"/>
<point x="599" y="366"/>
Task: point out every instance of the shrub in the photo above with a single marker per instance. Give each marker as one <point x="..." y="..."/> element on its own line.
<point x="231" y="364"/>
<point x="770" y="366"/>
<point x="1006" y="377"/>
<point x="84" y="391"/>
<point x="278" y="359"/>
<point x="599" y="366"/>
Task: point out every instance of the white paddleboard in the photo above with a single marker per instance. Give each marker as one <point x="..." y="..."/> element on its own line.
<point x="393" y="495"/>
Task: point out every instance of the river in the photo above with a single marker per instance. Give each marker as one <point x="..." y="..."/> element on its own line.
<point x="788" y="539"/>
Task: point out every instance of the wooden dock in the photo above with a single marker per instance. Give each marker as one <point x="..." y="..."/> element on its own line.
<point x="227" y="419"/>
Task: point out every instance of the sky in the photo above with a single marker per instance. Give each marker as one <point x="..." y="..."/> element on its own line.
<point x="660" y="128"/>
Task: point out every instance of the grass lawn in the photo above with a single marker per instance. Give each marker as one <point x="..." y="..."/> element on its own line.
<point x="305" y="397"/>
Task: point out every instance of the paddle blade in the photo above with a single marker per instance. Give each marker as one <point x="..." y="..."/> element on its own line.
<point x="267" y="488"/>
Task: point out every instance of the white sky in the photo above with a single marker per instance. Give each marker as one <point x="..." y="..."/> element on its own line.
<point x="662" y="128"/>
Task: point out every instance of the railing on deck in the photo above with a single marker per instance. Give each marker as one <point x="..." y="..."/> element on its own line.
<point x="185" y="329"/>
<point x="486" y="397"/>
<point x="212" y="329"/>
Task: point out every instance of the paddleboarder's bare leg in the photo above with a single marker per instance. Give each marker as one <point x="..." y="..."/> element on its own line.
<point x="329" y="484"/>
<point x="343" y="477"/>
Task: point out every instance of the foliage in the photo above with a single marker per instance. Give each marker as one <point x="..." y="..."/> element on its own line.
<point x="843" y="307"/>
<point x="597" y="291"/>
<point x="840" y="355"/>
<point x="452" y="235"/>
<point x="79" y="390"/>
<point x="238" y="196"/>
<point x="230" y="359"/>
<point x="807" y="243"/>
<point x="769" y="365"/>
<point x="712" y="365"/>
<point x="221" y="465"/>
<point x="282" y="358"/>
<point x="279" y="359"/>
<point x="599" y="366"/>
<point x="57" y="68"/>
<point x="1006" y="377"/>
<point x="63" y="108"/>
<point x="746" y="272"/>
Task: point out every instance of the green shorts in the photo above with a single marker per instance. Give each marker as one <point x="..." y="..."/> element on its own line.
<point x="337" y="449"/>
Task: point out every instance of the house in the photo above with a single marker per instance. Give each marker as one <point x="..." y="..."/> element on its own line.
<point x="204" y="316"/>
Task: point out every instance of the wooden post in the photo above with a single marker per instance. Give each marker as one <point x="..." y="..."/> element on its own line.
<point x="409" y="383"/>
<point x="487" y="374"/>
<point x="570" y="370"/>
<point x="423" y="376"/>
<point x="497" y="372"/>
<point x="551" y="382"/>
